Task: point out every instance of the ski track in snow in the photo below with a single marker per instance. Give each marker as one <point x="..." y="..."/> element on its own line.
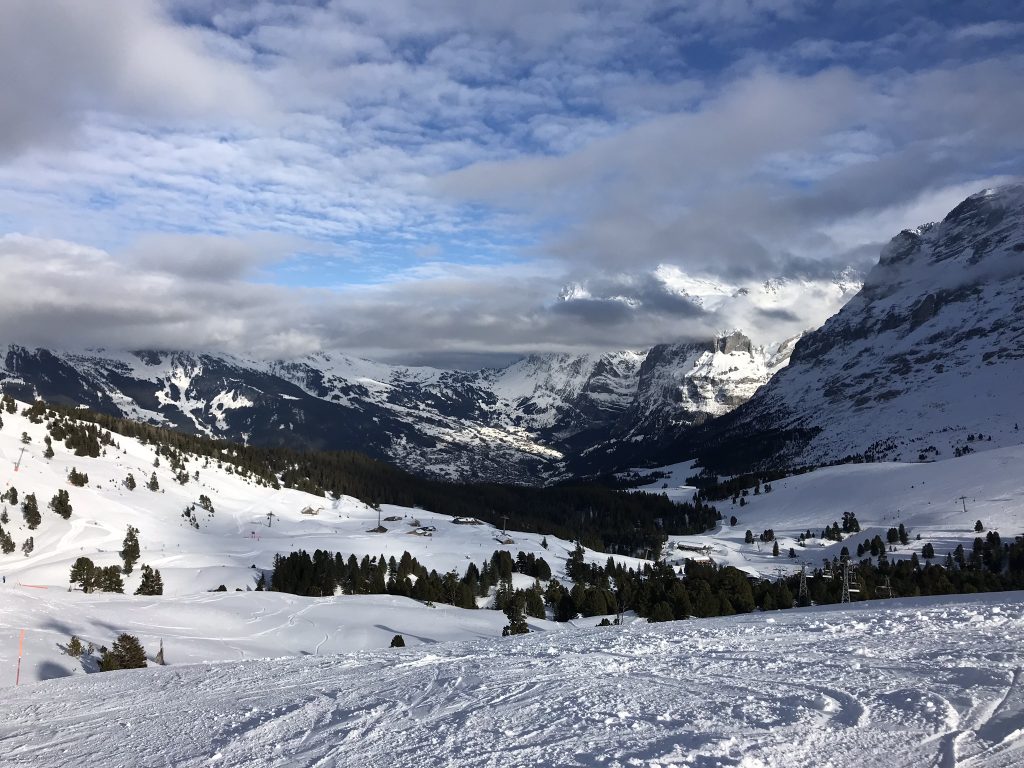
<point x="925" y="682"/>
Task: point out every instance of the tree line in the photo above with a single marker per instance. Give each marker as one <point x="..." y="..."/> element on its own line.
<point x="603" y="518"/>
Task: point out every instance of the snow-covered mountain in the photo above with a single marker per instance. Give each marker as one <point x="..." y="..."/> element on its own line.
<point x="518" y="423"/>
<point x="926" y="360"/>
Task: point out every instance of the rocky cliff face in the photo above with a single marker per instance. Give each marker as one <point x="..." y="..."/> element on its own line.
<point x="926" y="357"/>
<point x="521" y="423"/>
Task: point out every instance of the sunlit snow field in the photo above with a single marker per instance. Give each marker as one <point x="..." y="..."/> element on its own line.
<point x="916" y="682"/>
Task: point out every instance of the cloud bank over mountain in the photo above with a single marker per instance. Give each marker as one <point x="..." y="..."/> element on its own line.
<point x="426" y="183"/>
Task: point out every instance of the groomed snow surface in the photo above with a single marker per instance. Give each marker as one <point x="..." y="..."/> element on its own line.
<point x="922" y="682"/>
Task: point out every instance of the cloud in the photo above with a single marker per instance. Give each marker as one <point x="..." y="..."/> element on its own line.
<point x="62" y="294"/>
<point x="988" y="30"/>
<point x="758" y="180"/>
<point x="210" y="257"/>
<point x="418" y="181"/>
<point x="64" y="59"/>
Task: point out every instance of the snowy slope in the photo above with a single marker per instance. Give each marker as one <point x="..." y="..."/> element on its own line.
<point x="926" y="355"/>
<point x="935" y="681"/>
<point x="230" y="547"/>
<point x="227" y="543"/>
<point x="924" y="497"/>
<point x="222" y="626"/>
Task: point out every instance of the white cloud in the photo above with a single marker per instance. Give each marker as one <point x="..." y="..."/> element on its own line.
<point x="545" y="142"/>
<point x="64" y="59"/>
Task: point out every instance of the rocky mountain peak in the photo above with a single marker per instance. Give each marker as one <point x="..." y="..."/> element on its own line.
<point x="734" y="342"/>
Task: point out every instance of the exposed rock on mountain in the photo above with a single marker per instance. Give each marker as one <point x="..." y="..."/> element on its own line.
<point x="926" y="360"/>
<point x="520" y="423"/>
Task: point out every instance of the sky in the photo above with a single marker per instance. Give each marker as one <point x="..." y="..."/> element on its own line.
<point x="460" y="182"/>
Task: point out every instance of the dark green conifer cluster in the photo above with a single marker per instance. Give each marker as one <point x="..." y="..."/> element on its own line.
<point x="126" y="653"/>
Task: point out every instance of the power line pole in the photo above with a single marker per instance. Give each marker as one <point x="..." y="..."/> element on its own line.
<point x="504" y="520"/>
<point x="270" y="519"/>
<point x="963" y="500"/>
<point x="803" y="598"/>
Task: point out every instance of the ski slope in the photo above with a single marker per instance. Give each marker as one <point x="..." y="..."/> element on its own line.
<point x="221" y="626"/>
<point x="927" y="497"/>
<point x="923" y="682"/>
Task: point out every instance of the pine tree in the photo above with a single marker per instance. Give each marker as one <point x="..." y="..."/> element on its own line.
<point x="30" y="511"/>
<point x="661" y="611"/>
<point x="77" y="478"/>
<point x="978" y="527"/>
<point x="48" y="453"/>
<point x="110" y="579"/>
<point x="83" y="573"/>
<point x="61" y="504"/>
<point x="398" y="641"/>
<point x="775" y="549"/>
<point x="129" y="482"/>
<point x="516" y="621"/>
<point x="74" y="648"/>
<point x="130" y="549"/>
<point x="126" y="653"/>
<point x="151" y="583"/>
<point x="6" y="542"/>
<point x="153" y="484"/>
<point x="28" y="545"/>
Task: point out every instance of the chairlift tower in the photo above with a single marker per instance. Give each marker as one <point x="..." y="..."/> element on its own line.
<point x="847" y="588"/>
<point x="803" y="598"/>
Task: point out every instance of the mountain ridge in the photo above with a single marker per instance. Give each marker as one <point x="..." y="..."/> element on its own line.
<point x="925" y="361"/>
<point x="517" y="423"/>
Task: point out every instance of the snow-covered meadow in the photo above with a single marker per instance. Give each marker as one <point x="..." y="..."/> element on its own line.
<point x="230" y="547"/>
